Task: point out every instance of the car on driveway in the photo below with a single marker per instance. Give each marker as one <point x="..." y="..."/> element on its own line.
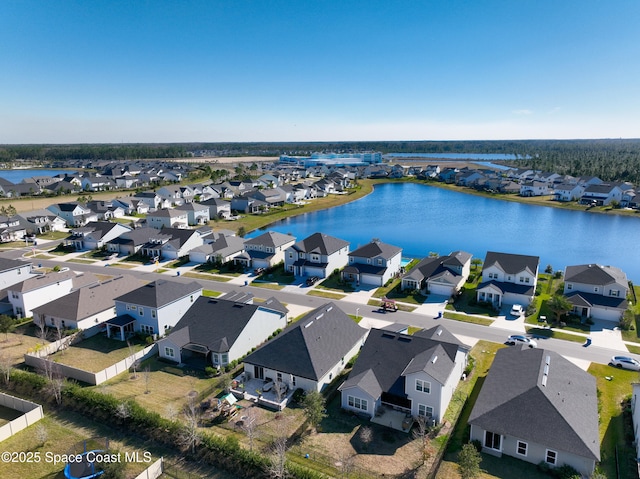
<point x="517" y="310"/>
<point x="519" y="339"/>
<point x="625" y="362"/>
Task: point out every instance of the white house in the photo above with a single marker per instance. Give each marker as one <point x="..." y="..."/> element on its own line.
<point x="317" y="255"/>
<point x="13" y="272"/>
<point x="38" y="290"/>
<point x="265" y="250"/>
<point x="197" y="214"/>
<point x="85" y="308"/>
<point x="508" y="278"/>
<point x="168" y="218"/>
<point x="443" y="275"/>
<point x="74" y="214"/>
<point x="311" y="352"/>
<point x="373" y="264"/>
<point x="172" y="243"/>
<point x="538" y="407"/>
<point x="414" y="374"/>
<point x="596" y="291"/>
<point x="96" y="234"/>
<point x="217" y="331"/>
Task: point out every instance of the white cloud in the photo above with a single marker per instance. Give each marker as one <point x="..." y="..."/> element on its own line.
<point x="522" y="112"/>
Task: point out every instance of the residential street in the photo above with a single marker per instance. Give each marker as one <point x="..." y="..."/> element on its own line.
<point x="355" y="304"/>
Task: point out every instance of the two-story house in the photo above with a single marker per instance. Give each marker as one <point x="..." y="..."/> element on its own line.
<point x="597" y="292"/>
<point x="152" y="309"/>
<point x="13" y="271"/>
<point x="265" y="250"/>
<point x="74" y="214"/>
<point x="168" y="218"/>
<point x="317" y="255"/>
<point x="601" y="194"/>
<point x="414" y="374"/>
<point x="508" y="278"/>
<point x="197" y="214"/>
<point x="373" y="264"/>
<point x="443" y="275"/>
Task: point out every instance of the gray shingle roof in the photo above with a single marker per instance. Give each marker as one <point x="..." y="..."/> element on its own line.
<point x="7" y="264"/>
<point x="213" y="322"/>
<point x="84" y="302"/>
<point x="558" y="410"/>
<point x="512" y="263"/>
<point x="321" y="244"/>
<point x="271" y="238"/>
<point x="375" y="249"/>
<point x="160" y="293"/>
<point x="596" y="275"/>
<point x="392" y="355"/>
<point x="310" y="347"/>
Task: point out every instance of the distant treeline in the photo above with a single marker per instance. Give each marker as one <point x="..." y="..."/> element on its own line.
<point x="610" y="160"/>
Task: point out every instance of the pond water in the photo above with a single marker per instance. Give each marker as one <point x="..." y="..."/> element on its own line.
<point x="17" y="175"/>
<point x="422" y="219"/>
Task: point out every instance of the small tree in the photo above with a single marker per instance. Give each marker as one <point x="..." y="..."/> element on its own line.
<point x="278" y="460"/>
<point x="250" y="426"/>
<point x="123" y="411"/>
<point x="146" y="373"/>
<point x="469" y="460"/>
<point x="54" y="379"/>
<point x="314" y="408"/>
<point x="366" y="436"/>
<point x="134" y="364"/>
<point x="42" y="434"/>
<point x="189" y="436"/>
<point x="559" y="305"/>
<point x="421" y="435"/>
<point x="5" y="325"/>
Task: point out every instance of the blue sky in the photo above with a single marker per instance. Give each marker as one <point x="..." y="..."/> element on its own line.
<point x="301" y="70"/>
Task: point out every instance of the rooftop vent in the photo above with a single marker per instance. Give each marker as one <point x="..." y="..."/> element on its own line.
<point x="308" y="324"/>
<point x="433" y="361"/>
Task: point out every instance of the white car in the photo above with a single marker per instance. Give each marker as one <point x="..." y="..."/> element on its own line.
<point x="517" y="310"/>
<point x="625" y="362"/>
<point x="518" y="339"/>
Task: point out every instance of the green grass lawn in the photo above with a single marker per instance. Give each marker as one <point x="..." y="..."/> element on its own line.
<point x="207" y="277"/>
<point x="266" y="285"/>
<point x="467" y="318"/>
<point x="168" y="386"/>
<point x="335" y="283"/>
<point x="210" y="293"/>
<point x="615" y="429"/>
<point x="80" y="261"/>
<point x="326" y="294"/>
<point x="97" y="353"/>
<point x="393" y="291"/>
<point x="549" y="333"/>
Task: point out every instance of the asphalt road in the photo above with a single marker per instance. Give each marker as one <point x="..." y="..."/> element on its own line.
<point x="565" y="348"/>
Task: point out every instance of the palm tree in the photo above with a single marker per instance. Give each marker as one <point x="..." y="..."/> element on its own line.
<point x="559" y="305"/>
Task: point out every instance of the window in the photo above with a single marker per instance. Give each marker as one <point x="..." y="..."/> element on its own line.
<point x="595" y="290"/>
<point x="134" y="307"/>
<point x="614" y="292"/>
<point x="569" y="286"/>
<point x="551" y="457"/>
<point x="153" y="313"/>
<point x="141" y="312"/>
<point x="290" y="255"/>
<point x="526" y="280"/>
<point x="522" y="279"/>
<point x="492" y="440"/>
<point x="357" y="403"/>
<point x="301" y="255"/>
<point x="225" y="358"/>
<point x="426" y="411"/>
<point x="424" y="386"/>
<point x="293" y="381"/>
<point x="216" y="358"/>
<point x="379" y="261"/>
<point x="368" y="260"/>
<point x="168" y="352"/>
<point x="279" y="377"/>
<point x="522" y="448"/>
<point x="146" y="329"/>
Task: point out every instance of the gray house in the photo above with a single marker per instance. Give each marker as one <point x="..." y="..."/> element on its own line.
<point x="443" y="275"/>
<point x="537" y="406"/>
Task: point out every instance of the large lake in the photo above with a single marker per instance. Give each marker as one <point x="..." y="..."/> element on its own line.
<point x="17" y="175"/>
<point x="422" y="219"/>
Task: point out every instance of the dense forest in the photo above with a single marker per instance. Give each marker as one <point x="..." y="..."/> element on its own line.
<point x="610" y="159"/>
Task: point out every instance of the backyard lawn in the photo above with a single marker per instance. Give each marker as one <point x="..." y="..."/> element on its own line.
<point x="168" y="386"/>
<point x="97" y="353"/>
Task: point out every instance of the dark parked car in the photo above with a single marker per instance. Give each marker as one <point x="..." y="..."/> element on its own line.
<point x="312" y="280"/>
